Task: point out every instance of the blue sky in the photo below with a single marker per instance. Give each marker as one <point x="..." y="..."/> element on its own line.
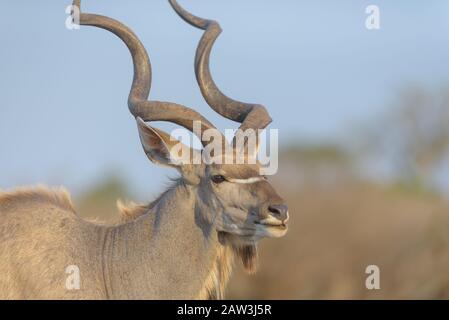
<point x="63" y="112"/>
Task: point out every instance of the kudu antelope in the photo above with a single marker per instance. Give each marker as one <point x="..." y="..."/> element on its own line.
<point x="182" y="245"/>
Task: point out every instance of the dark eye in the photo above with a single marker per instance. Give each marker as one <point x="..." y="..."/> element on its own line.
<point x="218" y="179"/>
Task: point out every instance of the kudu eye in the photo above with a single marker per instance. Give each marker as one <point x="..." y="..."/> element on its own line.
<point x="218" y="178"/>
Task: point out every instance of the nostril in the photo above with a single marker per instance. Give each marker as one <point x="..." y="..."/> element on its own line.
<point x="279" y="211"/>
<point x="274" y="210"/>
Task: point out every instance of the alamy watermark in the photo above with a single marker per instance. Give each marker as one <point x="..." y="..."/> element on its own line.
<point x="73" y="280"/>
<point x="72" y="22"/>
<point x="372" y="22"/>
<point x="245" y="148"/>
<point x="372" y="282"/>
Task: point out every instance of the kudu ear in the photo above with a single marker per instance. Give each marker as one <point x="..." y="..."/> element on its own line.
<point x="161" y="148"/>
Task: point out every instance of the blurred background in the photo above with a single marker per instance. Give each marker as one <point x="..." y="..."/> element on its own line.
<point x="363" y="119"/>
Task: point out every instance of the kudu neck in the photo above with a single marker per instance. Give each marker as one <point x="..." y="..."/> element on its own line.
<point x="169" y="252"/>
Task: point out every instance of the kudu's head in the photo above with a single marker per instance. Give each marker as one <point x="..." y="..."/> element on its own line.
<point x="241" y="201"/>
<point x="243" y="205"/>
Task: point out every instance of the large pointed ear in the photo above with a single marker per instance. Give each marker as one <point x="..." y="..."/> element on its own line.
<point x="161" y="148"/>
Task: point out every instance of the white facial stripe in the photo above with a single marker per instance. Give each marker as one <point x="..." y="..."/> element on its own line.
<point x="246" y="181"/>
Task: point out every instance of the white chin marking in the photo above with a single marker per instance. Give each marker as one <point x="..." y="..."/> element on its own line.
<point x="247" y="181"/>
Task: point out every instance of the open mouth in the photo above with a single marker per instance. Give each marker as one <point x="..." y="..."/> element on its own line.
<point x="272" y="223"/>
<point x="278" y="226"/>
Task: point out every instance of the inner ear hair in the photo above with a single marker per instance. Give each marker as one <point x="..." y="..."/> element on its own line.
<point x="161" y="148"/>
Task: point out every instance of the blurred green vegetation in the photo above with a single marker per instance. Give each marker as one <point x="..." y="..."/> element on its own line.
<point x="99" y="201"/>
<point x="313" y="154"/>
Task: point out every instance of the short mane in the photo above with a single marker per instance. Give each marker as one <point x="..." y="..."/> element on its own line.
<point x="130" y="210"/>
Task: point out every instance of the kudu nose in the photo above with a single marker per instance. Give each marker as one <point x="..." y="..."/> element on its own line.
<point x="279" y="211"/>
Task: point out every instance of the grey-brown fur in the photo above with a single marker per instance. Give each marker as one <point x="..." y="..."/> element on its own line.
<point x="145" y="258"/>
